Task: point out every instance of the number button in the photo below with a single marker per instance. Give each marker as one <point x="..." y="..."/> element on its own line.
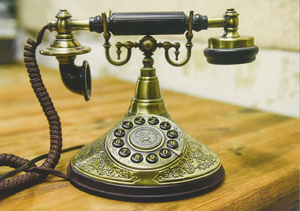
<point x="153" y="121"/>
<point x="165" y="126"/>
<point x="172" y="144"/>
<point x="165" y="153"/>
<point x="152" y="158"/>
<point x="127" y="125"/>
<point x="118" y="142"/>
<point x="137" y="158"/>
<point x="172" y="134"/>
<point x="119" y="133"/>
<point x="124" y="152"/>
<point x="139" y="120"/>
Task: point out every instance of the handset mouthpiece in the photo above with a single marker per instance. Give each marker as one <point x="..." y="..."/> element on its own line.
<point x="65" y="48"/>
<point x="76" y="78"/>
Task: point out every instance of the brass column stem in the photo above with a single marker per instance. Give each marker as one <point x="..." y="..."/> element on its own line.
<point x="147" y="98"/>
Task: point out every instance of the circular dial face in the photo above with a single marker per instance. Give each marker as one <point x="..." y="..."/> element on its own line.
<point x="145" y="138"/>
<point x="145" y="141"/>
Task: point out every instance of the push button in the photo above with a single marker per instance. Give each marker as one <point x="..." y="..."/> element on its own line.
<point x="137" y="158"/>
<point x="172" y="134"/>
<point x="124" y="152"/>
<point x="152" y="158"/>
<point x="153" y="121"/>
<point x="165" y="153"/>
<point x="118" y="142"/>
<point x="119" y="133"/>
<point x="165" y="125"/>
<point x="127" y="125"/>
<point x="139" y="120"/>
<point x="172" y="144"/>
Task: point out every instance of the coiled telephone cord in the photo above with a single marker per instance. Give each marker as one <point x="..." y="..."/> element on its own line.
<point x="34" y="174"/>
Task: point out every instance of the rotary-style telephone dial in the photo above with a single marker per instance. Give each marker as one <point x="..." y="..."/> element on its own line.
<point x="146" y="156"/>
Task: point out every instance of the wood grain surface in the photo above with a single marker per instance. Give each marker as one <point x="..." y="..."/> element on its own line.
<point x="259" y="150"/>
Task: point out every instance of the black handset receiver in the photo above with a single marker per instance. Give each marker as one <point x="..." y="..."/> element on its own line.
<point x="146" y="156"/>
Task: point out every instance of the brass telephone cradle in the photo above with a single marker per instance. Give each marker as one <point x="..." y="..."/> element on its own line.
<point x="146" y="156"/>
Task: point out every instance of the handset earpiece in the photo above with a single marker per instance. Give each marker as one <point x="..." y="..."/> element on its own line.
<point x="230" y="48"/>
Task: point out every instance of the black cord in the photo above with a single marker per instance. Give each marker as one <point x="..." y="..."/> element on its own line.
<point x="27" y="165"/>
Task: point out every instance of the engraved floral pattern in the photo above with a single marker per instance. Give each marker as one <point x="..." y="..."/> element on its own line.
<point x="194" y="162"/>
<point x="93" y="160"/>
<point x="198" y="160"/>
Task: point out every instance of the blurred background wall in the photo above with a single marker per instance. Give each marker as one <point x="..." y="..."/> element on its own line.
<point x="271" y="83"/>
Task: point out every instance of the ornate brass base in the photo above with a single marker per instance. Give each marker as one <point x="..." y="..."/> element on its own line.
<point x="145" y="193"/>
<point x="145" y="158"/>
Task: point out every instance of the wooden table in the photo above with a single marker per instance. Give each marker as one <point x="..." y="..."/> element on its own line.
<point x="259" y="150"/>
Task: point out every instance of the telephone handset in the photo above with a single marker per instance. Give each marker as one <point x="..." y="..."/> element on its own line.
<point x="146" y="156"/>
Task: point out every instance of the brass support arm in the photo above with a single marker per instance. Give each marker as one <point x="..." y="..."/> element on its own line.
<point x="215" y="22"/>
<point x="63" y="23"/>
<point x="229" y="21"/>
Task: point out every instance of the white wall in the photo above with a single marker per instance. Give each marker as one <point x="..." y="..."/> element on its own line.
<point x="270" y="83"/>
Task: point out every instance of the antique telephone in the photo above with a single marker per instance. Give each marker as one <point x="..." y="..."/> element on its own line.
<point x="146" y="156"/>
